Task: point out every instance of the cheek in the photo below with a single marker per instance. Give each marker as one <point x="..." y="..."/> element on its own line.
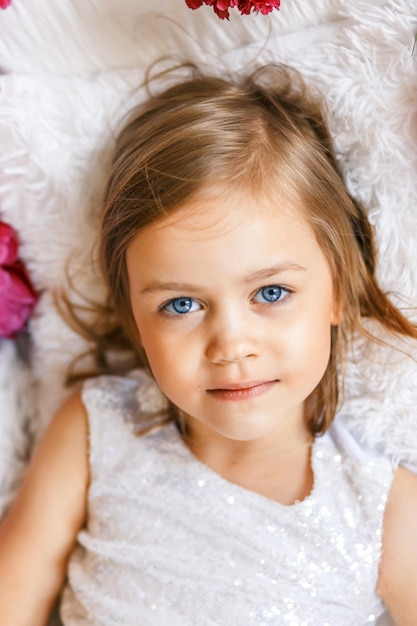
<point x="308" y="342"/>
<point x="149" y="339"/>
<point x="154" y="347"/>
<point x="169" y="359"/>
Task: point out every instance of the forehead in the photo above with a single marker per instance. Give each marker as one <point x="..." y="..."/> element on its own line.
<point x="216" y="215"/>
<point x="235" y="232"/>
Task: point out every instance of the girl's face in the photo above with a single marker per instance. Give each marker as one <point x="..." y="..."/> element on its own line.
<point x="234" y="304"/>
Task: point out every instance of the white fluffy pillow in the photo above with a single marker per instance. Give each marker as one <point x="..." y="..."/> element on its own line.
<point x="74" y="70"/>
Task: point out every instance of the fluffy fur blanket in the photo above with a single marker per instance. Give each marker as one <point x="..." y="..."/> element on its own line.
<point x="69" y="72"/>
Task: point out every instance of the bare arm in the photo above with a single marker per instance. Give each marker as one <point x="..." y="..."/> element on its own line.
<point x="37" y="535"/>
<point x="398" y="572"/>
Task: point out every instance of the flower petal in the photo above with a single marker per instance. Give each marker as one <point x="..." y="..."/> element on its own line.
<point x="8" y="244"/>
<point x="17" y="299"/>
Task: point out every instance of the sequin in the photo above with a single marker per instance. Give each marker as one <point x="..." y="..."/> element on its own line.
<point x="171" y="542"/>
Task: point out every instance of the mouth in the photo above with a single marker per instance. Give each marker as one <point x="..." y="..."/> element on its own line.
<point x="242" y="391"/>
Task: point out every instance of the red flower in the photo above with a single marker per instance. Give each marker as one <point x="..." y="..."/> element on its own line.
<point x="221" y="7"/>
<point x="5" y="3"/>
<point x="17" y="295"/>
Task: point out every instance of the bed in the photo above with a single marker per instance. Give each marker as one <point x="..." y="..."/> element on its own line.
<point x="71" y="69"/>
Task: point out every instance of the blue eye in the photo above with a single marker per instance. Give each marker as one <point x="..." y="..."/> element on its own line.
<point x="270" y="293"/>
<point x="181" y="306"/>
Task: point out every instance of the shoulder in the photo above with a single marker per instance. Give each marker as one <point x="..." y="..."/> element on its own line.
<point x="65" y="439"/>
<point x="398" y="570"/>
<point x="107" y="390"/>
<point x="358" y="478"/>
<point x="118" y="408"/>
<point x="63" y="447"/>
<point x="70" y="417"/>
<point x="135" y="392"/>
<point x="366" y="462"/>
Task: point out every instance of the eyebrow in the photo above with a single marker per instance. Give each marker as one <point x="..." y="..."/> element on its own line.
<point x="287" y="266"/>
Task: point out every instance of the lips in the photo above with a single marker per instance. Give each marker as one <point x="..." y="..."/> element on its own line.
<point x="242" y="391"/>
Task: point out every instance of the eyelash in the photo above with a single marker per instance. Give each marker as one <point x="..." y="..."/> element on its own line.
<point x="284" y="291"/>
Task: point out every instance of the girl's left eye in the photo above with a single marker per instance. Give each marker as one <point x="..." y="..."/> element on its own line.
<point x="181" y="306"/>
<point x="270" y="293"/>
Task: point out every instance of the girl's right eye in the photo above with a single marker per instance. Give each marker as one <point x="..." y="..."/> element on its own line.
<point x="272" y="294"/>
<point x="180" y="306"/>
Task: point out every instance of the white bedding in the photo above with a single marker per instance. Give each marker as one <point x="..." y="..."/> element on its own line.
<point x="72" y="70"/>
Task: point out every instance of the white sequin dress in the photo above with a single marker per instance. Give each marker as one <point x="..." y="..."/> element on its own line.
<point x="171" y="543"/>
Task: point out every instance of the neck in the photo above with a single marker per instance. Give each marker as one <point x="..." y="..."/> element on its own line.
<point x="277" y="466"/>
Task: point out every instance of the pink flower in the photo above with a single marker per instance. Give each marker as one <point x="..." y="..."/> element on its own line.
<point x="5" y="3"/>
<point x="8" y="245"/>
<point x="17" y="295"/>
<point x="221" y="7"/>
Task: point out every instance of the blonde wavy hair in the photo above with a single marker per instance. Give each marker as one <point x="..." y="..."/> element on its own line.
<point x="260" y="133"/>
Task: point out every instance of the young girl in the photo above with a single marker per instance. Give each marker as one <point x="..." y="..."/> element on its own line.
<point x="239" y="268"/>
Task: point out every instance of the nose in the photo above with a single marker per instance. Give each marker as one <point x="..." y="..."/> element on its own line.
<point x="231" y="337"/>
